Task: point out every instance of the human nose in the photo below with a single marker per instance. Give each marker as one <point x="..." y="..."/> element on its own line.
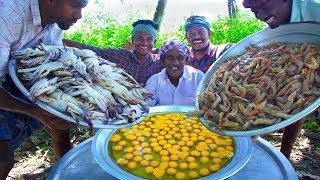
<point x="196" y="35"/>
<point x="78" y="14"/>
<point x="175" y="61"/>
<point x="144" y="42"/>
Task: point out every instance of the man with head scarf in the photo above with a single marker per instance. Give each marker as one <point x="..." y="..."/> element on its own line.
<point x="276" y="13"/>
<point x="203" y="53"/>
<point x="24" y="24"/>
<point x="177" y="83"/>
<point x="140" y="62"/>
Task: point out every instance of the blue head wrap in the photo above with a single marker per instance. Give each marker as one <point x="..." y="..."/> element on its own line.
<point x="199" y="20"/>
<point x="144" y="28"/>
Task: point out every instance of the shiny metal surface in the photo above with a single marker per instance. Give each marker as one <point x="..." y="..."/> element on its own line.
<point x="96" y="123"/>
<point x="78" y="164"/>
<point x="266" y="162"/>
<point x="291" y="33"/>
<point x="100" y="144"/>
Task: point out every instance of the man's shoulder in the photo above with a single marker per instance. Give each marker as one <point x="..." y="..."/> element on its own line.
<point x="193" y="71"/>
<point x="313" y="2"/>
<point x="158" y="76"/>
<point x="305" y="10"/>
<point x="14" y="9"/>
<point x="121" y="50"/>
<point x="220" y="46"/>
<point x="156" y="58"/>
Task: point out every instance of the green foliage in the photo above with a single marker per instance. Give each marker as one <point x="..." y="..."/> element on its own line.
<point x="232" y="30"/>
<point x="313" y="125"/>
<point x="103" y="31"/>
<point x="178" y="34"/>
<point x="43" y="142"/>
<point x="114" y="35"/>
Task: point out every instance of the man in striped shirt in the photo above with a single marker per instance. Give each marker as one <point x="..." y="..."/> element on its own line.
<point x="23" y="24"/>
<point x="203" y="53"/>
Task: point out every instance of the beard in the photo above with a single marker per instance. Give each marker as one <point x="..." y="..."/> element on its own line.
<point x="201" y="48"/>
<point x="63" y="25"/>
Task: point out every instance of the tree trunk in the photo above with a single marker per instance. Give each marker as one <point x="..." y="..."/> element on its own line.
<point x="158" y="15"/>
<point x="232" y="8"/>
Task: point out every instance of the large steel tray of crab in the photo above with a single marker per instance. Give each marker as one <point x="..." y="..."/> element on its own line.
<point x="79" y="86"/>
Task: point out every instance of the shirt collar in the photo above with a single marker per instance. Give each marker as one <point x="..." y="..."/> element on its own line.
<point x="186" y="74"/>
<point x="35" y="9"/>
<point x="207" y="51"/>
<point x="150" y="59"/>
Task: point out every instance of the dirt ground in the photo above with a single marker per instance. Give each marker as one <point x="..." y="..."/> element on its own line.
<point x="34" y="162"/>
<point x="305" y="156"/>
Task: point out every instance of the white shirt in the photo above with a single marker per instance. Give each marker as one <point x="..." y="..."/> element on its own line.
<point x="20" y="28"/>
<point x="167" y="94"/>
<point x="305" y="10"/>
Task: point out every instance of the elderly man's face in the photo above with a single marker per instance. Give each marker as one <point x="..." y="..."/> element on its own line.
<point x="174" y="62"/>
<point x="67" y="12"/>
<point x="198" y="37"/>
<point x="143" y="43"/>
<point x="274" y="12"/>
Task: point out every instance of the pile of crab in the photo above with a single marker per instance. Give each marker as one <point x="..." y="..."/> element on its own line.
<point x="81" y="84"/>
<point x="263" y="86"/>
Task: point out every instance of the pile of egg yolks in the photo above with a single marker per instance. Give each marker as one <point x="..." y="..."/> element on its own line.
<point x="170" y="146"/>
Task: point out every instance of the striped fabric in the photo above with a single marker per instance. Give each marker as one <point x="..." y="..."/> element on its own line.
<point x="20" y="27"/>
<point x="212" y="53"/>
<point x="127" y="60"/>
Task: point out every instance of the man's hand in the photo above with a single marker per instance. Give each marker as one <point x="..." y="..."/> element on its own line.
<point x="11" y="103"/>
<point x="75" y="44"/>
<point x="48" y="119"/>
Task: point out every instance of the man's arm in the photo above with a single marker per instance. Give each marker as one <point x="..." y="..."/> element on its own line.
<point x="11" y="103"/>
<point x="7" y="102"/>
<point x="75" y="44"/>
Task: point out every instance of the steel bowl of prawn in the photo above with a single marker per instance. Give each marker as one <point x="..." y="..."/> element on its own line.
<point x="78" y="86"/>
<point x="263" y="83"/>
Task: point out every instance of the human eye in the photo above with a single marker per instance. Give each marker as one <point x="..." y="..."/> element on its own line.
<point x="265" y="7"/>
<point x="76" y="5"/>
<point x="150" y="39"/>
<point x="191" y="34"/>
<point x="170" y="58"/>
<point x="180" y="58"/>
<point x="139" y="38"/>
<point x="79" y="4"/>
<point x="201" y="32"/>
